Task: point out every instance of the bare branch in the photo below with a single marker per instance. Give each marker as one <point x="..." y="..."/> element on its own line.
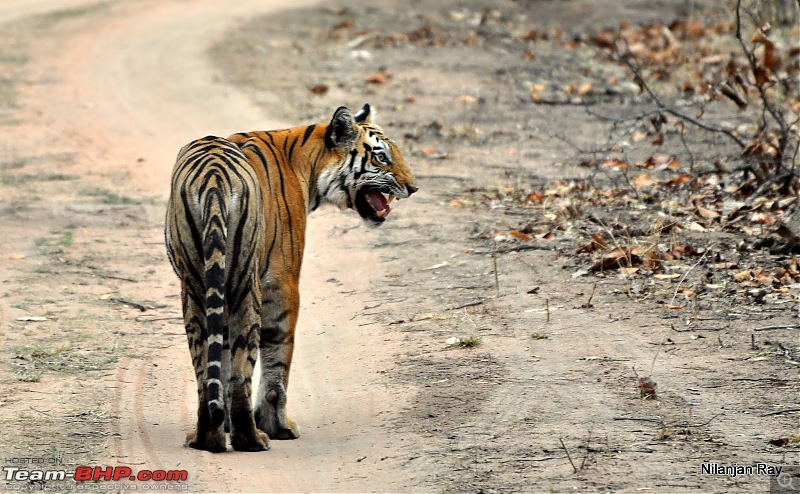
<point x="639" y="79"/>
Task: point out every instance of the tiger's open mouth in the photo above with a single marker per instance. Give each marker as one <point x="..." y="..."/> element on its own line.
<point x="373" y="205"/>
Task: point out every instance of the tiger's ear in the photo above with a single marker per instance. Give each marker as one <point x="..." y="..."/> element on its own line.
<point x="365" y="114"/>
<point x="342" y="131"/>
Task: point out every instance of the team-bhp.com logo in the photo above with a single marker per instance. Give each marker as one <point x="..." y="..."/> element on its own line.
<point x="94" y="474"/>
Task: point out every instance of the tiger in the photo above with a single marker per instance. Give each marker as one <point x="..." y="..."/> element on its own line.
<point x="235" y="235"/>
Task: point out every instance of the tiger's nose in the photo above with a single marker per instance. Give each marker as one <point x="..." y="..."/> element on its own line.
<point x="411" y="189"/>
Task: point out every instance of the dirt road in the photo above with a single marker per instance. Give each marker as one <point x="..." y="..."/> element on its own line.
<point x="95" y="102"/>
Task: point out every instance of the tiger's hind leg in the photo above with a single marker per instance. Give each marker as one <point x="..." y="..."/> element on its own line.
<point x="279" y="319"/>
<point x="206" y="436"/>
<point x="244" y="335"/>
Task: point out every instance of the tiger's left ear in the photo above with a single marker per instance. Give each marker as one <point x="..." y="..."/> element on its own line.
<point x="365" y="114"/>
<point x="342" y="132"/>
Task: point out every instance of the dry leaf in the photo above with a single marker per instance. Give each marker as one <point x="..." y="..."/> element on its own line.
<point x="519" y="235"/>
<point x="319" y="89"/>
<point x="615" y="163"/>
<point x="673" y="163"/>
<point x="597" y="243"/>
<point x="641" y="181"/>
<point x="433" y="154"/>
<point x="762" y="76"/>
<point x="772" y="60"/>
<point x="649" y="163"/>
<point x="616" y="259"/>
<point x="378" y="78"/>
<point x="706" y="213"/>
<point x="647" y="388"/>
<point x="734" y="96"/>
<point x="534" y="197"/>
<point x="532" y="35"/>
<point x="759" y="36"/>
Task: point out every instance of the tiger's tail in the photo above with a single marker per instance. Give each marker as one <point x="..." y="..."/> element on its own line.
<point x="214" y="245"/>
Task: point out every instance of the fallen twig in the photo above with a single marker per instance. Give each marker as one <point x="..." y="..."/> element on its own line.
<point x="174" y="318"/>
<point x="522" y="247"/>
<point x="779" y="412"/>
<point x="568" y="456"/>
<point x="468" y="304"/>
<point x="778" y="326"/>
<point x="136" y="305"/>
<point x="591" y="296"/>
<point x="641" y="419"/>
<point x="547" y="309"/>
<point x="496" y="276"/>
<point x="111" y="276"/>
<point x="39" y="411"/>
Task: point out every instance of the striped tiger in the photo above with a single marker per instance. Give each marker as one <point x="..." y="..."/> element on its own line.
<point x="235" y="234"/>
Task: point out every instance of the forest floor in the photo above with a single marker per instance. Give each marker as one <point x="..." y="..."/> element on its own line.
<point x="577" y="299"/>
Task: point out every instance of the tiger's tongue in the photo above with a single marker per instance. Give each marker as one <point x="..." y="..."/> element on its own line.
<point x="377" y="201"/>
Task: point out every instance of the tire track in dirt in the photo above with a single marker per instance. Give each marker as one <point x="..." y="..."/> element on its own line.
<point x="127" y="85"/>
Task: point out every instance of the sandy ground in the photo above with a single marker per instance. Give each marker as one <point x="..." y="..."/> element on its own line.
<point x="101" y="97"/>
<point x="126" y="85"/>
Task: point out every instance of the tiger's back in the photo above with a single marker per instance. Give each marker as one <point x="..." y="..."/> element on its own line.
<point x="215" y="242"/>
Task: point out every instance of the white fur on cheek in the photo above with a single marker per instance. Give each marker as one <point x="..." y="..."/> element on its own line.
<point x="329" y="185"/>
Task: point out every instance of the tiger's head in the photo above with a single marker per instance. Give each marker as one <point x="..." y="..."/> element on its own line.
<point x="370" y="171"/>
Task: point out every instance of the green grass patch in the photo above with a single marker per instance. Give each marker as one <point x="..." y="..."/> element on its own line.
<point x="29" y="178"/>
<point x="32" y="362"/>
<point x="67" y="239"/>
<point x="105" y="196"/>
<point x="30" y="377"/>
<point x="470" y="341"/>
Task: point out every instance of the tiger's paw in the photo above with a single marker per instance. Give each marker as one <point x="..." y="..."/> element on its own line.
<point x="244" y="442"/>
<point x="276" y="427"/>
<point x="213" y="441"/>
<point x="289" y="431"/>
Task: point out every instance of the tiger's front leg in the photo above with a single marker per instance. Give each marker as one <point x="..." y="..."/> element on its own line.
<point x="279" y="317"/>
